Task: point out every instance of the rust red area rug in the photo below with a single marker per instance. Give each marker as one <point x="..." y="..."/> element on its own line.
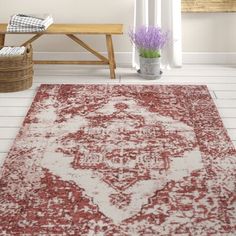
<point x="120" y="160"/>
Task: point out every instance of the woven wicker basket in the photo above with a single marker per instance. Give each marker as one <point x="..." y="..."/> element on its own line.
<point x="16" y="72"/>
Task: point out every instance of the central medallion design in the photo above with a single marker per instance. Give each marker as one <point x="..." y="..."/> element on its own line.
<point x="126" y="152"/>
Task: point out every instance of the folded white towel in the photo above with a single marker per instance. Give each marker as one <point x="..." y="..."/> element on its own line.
<point x="12" y="51"/>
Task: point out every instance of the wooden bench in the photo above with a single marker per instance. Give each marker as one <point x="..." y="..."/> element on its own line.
<point x="70" y="30"/>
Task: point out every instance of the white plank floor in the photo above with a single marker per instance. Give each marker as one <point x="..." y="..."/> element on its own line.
<point x="221" y="81"/>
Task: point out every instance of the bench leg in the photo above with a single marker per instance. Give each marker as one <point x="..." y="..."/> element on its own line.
<point x="111" y="56"/>
<point x="2" y="39"/>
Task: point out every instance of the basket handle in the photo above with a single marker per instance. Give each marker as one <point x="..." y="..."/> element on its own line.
<point x="28" y="50"/>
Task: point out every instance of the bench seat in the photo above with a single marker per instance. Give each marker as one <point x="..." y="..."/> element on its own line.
<point x="71" y="30"/>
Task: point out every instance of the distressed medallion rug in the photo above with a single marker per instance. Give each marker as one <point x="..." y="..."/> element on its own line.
<point x="120" y="160"/>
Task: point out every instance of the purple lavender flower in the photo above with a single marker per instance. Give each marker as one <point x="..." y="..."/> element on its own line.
<point x="149" y="40"/>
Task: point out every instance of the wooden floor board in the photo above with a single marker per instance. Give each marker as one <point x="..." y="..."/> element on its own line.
<point x="2" y="158"/>
<point x="230" y="123"/>
<point x="225" y="94"/>
<point x="232" y="134"/>
<point x="225" y="103"/>
<point x="11" y="121"/>
<point x="5" y="144"/>
<point x="180" y="80"/>
<point x="23" y="94"/>
<point x="13" y="111"/>
<point x="222" y="87"/>
<point x="13" y="102"/>
<point x="227" y="112"/>
<point x="8" y="132"/>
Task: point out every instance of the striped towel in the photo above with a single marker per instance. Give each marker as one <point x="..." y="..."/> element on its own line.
<point x="29" y="23"/>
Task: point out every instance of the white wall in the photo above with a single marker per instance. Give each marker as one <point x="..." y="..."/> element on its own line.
<point x="209" y="32"/>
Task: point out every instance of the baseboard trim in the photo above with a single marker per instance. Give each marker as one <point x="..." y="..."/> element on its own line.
<point x="124" y="59"/>
<point x="223" y="58"/>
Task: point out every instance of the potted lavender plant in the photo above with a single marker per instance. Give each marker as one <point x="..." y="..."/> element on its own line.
<point x="149" y="40"/>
